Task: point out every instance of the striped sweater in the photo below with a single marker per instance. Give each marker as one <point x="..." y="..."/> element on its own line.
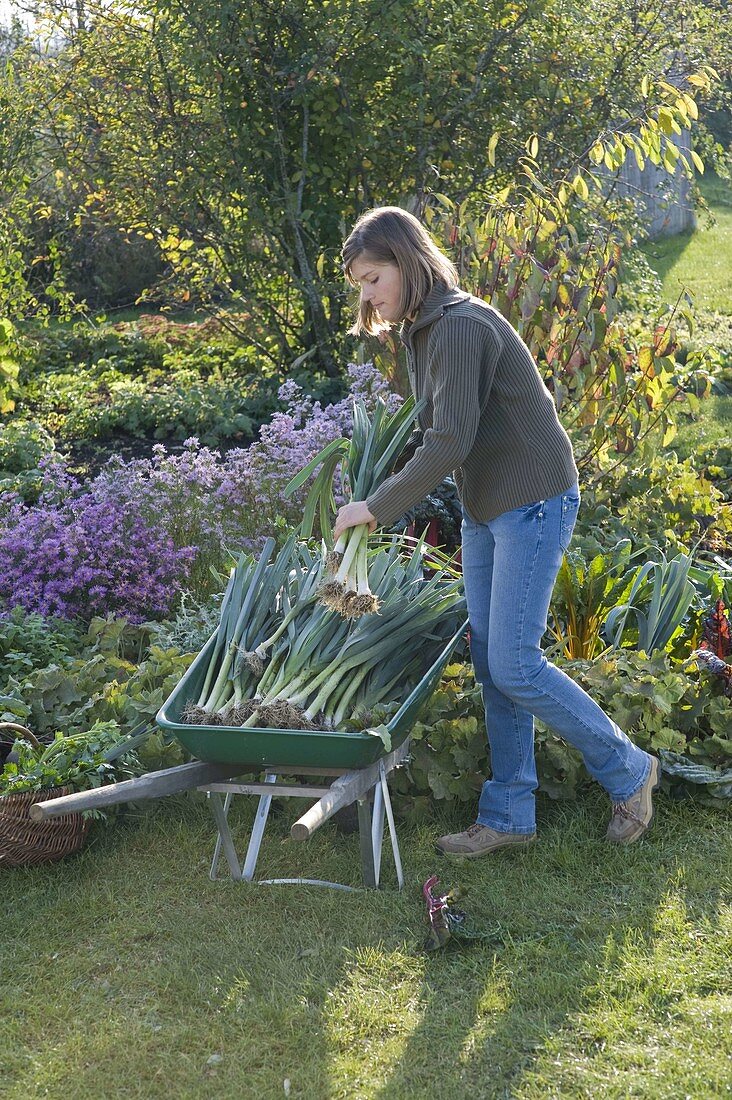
<point x="489" y="419"/>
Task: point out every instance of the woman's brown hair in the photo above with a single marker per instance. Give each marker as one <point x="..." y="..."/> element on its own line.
<point x="390" y="235"/>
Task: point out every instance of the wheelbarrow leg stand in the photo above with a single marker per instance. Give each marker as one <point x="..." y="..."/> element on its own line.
<point x="371" y="833"/>
<point x="220" y="810"/>
<point x="224" y="839"/>
<point x="370" y="822"/>
<point x="365" y="836"/>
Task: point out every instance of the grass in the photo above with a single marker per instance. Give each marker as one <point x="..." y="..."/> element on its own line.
<point x="126" y="973"/>
<point x="129" y="315"/>
<point x="710" y="427"/>
<point x="700" y="260"/>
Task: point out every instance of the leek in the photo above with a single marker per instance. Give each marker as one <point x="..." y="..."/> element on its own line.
<point x="314" y="666"/>
<point x="366" y="460"/>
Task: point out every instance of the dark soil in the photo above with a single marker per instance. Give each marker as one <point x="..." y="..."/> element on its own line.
<point x="89" y="456"/>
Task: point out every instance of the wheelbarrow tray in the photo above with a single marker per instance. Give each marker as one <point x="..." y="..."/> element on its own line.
<point x="257" y="748"/>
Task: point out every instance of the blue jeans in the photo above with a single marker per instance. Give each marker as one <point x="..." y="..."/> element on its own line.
<point x="510" y="565"/>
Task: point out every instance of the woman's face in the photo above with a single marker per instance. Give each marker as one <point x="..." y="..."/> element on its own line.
<point x="381" y="285"/>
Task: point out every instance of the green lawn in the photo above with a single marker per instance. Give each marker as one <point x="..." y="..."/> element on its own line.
<point x="127" y="973"/>
<point x="130" y="314"/>
<point x="711" y="427"/>
<point x="700" y="261"/>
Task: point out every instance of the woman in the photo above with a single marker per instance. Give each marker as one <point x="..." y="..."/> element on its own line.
<point x="490" y="419"/>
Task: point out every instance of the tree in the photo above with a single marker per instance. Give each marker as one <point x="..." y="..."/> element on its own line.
<point x="243" y="140"/>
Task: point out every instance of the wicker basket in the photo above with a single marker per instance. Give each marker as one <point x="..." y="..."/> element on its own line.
<point x="24" y="842"/>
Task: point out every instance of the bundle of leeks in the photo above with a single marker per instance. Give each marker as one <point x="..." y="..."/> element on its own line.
<point x="282" y="659"/>
<point x="366" y="460"/>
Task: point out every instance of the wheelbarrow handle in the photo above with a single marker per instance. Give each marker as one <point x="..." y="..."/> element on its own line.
<point x="183" y="777"/>
<point x="21" y="733"/>
<point x="343" y="791"/>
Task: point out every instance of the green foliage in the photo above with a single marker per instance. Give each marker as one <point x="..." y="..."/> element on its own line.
<point x="661" y="702"/>
<point x="584" y="594"/>
<point x="79" y="762"/>
<point x="28" y="641"/>
<point x="194" y="623"/>
<point x="628" y="599"/>
<point x="715" y="461"/>
<point x="63" y="348"/>
<point x="658" y="601"/>
<point x="696" y="364"/>
<point x="23" y="443"/>
<point x="9" y="368"/>
<point x="716" y="783"/>
<point x="207" y="410"/>
<point x="711" y="334"/>
<point x="115" y="675"/>
<point x="23" y="292"/>
<point x="639" y="288"/>
<point x="151" y="378"/>
<point x="101" y="401"/>
<point x="616" y="392"/>
<point x="244" y="195"/>
<point x="659" y="500"/>
<point x="705" y="440"/>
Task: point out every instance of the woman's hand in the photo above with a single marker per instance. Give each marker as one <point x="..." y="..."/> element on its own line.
<point x="351" y="515"/>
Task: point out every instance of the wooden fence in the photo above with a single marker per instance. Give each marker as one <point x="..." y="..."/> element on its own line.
<point x="663" y="201"/>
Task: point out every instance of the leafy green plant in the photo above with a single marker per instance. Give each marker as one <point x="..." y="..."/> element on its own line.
<point x="23" y="446"/>
<point x="151" y="378"/>
<point x="78" y="761"/>
<point x="711" y="330"/>
<point x="99" y="401"/>
<point x="29" y="641"/>
<point x="672" y="502"/>
<point x="114" y="675"/>
<point x="62" y="348"/>
<point x="193" y="624"/>
<point x="662" y="702"/>
<point x="705" y="441"/>
<point x="450" y="758"/>
<point x="656" y="500"/>
<point x="584" y="595"/>
<point x="658" y="601"/>
<point x="9" y="368"/>
<point x="23" y="443"/>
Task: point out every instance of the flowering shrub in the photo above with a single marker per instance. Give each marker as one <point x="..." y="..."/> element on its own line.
<point x="87" y="554"/>
<point x="130" y="540"/>
<point x="234" y="503"/>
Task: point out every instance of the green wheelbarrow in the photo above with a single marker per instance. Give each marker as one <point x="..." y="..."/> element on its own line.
<point x="256" y="748"/>
<point x="357" y="762"/>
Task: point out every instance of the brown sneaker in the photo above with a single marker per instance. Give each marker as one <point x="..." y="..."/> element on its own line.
<point x="631" y="819"/>
<point x="479" y="840"/>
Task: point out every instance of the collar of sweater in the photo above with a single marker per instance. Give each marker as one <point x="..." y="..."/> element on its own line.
<point x="434" y="305"/>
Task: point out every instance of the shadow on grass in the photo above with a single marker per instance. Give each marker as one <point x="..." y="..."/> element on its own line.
<point x="128" y="958"/>
<point x="573" y="910"/>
